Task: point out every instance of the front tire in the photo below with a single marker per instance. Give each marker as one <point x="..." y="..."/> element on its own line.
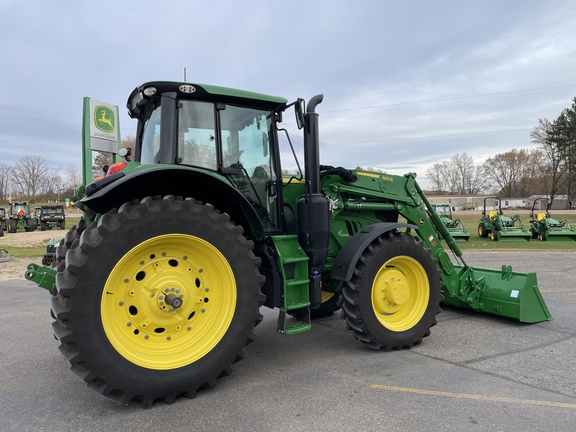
<point x="156" y="300"/>
<point x="393" y="298"/>
<point x="482" y="232"/>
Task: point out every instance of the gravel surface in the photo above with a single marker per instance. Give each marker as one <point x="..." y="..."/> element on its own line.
<point x="15" y="268"/>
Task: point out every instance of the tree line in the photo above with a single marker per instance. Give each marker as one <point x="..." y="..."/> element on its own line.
<point x="32" y="179"/>
<point x="547" y="169"/>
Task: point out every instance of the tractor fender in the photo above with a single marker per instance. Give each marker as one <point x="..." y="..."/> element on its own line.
<point x="184" y="182"/>
<point x="349" y="255"/>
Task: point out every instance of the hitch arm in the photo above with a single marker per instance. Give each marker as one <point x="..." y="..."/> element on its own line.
<point x="44" y="276"/>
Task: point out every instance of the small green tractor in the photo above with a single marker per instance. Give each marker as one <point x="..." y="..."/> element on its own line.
<point x="544" y="227"/>
<point x="454" y="226"/>
<point x="157" y="290"/>
<point x="20" y="217"/>
<point x="495" y="225"/>
<point x="2" y="221"/>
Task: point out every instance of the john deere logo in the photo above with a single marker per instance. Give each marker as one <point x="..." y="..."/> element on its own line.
<point x="104" y="119"/>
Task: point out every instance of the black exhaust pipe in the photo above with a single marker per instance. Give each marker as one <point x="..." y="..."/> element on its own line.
<point x="312" y="144"/>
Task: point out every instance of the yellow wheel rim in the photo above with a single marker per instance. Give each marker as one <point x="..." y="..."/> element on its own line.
<point x="326" y="295"/>
<point x="168" y="301"/>
<point x="400" y="293"/>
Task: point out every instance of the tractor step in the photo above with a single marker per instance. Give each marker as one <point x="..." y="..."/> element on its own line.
<point x="297" y="328"/>
<point x="293" y="265"/>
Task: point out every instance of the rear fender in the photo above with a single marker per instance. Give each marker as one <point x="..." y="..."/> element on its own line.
<point x="182" y="182"/>
<point x="349" y="255"/>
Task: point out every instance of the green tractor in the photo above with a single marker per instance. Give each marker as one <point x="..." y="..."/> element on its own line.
<point x="495" y="225"/>
<point x="544" y="227"/>
<point x="157" y="290"/>
<point x="20" y="217"/>
<point x="2" y="221"/>
<point x="454" y="226"/>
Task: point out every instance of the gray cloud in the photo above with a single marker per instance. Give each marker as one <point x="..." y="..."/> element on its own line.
<point x="406" y="85"/>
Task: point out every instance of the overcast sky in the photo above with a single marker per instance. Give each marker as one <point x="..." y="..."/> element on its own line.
<point x="406" y="84"/>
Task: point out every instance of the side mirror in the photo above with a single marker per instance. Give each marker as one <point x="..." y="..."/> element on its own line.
<point x="299" y="112"/>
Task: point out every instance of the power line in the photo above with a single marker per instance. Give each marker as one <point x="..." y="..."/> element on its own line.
<point x="449" y="99"/>
<point x="429" y="137"/>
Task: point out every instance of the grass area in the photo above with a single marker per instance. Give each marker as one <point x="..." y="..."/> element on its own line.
<point x="24" y="252"/>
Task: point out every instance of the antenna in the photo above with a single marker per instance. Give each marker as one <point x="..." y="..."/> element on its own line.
<point x="184" y="74"/>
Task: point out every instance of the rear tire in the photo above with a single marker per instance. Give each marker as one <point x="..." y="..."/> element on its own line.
<point x="393" y="298"/>
<point x="117" y="326"/>
<point x="12" y="226"/>
<point x="31" y="225"/>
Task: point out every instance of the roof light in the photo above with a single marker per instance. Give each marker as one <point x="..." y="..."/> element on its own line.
<point x="187" y="88"/>
<point x="150" y="91"/>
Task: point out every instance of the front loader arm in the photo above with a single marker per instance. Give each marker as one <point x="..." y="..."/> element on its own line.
<point x="501" y="292"/>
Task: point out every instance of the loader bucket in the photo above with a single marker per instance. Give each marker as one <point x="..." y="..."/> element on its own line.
<point x="561" y="236"/>
<point x="514" y="235"/>
<point x="460" y="236"/>
<point x="504" y="293"/>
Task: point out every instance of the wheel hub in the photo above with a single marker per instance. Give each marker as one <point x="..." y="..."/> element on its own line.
<point x="394" y="291"/>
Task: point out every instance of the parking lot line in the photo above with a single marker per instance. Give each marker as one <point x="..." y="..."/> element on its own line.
<point x="472" y="396"/>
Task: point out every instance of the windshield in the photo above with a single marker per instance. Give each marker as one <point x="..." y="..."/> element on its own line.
<point x="443" y="210"/>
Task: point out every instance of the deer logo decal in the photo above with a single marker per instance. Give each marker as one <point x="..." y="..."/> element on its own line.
<point x="104" y="118"/>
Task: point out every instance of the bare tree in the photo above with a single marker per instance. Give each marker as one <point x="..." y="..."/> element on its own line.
<point x="32" y="175"/>
<point x="553" y="167"/>
<point x="509" y="170"/>
<point x="5" y="173"/>
<point x="459" y="175"/>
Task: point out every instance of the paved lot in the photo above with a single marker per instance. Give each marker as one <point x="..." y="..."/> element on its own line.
<point x="476" y="373"/>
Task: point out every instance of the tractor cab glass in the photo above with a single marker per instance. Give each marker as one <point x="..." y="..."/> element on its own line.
<point x="19" y="209"/>
<point x="241" y="148"/>
<point x="246" y="136"/>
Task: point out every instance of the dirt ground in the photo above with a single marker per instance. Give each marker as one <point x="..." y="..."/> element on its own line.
<point x="15" y="268"/>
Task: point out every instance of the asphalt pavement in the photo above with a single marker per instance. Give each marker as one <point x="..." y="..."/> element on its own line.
<point x="476" y="372"/>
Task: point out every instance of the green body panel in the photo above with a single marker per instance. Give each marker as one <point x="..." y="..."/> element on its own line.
<point x="242" y="94"/>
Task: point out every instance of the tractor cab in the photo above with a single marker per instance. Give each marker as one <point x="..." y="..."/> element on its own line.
<point x="222" y="135"/>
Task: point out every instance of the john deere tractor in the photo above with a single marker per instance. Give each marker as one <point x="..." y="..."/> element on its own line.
<point x="454" y="226"/>
<point x="544" y="227"/>
<point x="495" y="225"/>
<point x="20" y="217"/>
<point x="157" y="290"/>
